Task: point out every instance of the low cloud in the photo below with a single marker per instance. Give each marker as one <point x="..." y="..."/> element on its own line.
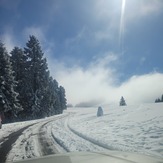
<point x="143" y="88"/>
<point x="99" y="83"/>
<point x="9" y="41"/>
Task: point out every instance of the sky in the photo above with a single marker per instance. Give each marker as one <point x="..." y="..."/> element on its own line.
<point x="97" y="50"/>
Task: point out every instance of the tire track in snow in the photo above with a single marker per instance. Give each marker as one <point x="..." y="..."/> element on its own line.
<point x="48" y="145"/>
<point x="33" y="142"/>
<point x="59" y="143"/>
<point x="76" y="141"/>
<point x="44" y="142"/>
<point x="7" y="145"/>
<point x="71" y="141"/>
<point x="95" y="142"/>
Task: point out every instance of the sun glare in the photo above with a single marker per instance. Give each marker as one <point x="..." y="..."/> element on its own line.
<point x="123" y="4"/>
<point x="121" y="32"/>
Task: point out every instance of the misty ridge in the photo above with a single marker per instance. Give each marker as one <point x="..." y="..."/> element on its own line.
<point x="96" y="103"/>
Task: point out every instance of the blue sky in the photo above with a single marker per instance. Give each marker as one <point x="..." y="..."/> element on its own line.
<point x="93" y="50"/>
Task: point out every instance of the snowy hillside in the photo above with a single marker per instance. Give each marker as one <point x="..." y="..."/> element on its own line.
<point x="129" y="128"/>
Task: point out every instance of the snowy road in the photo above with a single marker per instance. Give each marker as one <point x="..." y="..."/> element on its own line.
<point x="132" y="129"/>
<point x="34" y="141"/>
<point x="68" y="139"/>
<point x="6" y="143"/>
<point x="49" y="136"/>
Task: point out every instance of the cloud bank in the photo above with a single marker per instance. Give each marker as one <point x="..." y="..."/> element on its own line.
<point x="99" y="83"/>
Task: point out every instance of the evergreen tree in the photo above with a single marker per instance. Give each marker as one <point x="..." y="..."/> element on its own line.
<point x="63" y="100"/>
<point x="44" y="88"/>
<point x="9" y="104"/>
<point x="57" y="97"/>
<point x="18" y="60"/>
<point x="159" y="100"/>
<point x="52" y="96"/>
<point x="122" y="102"/>
<point x="19" y="64"/>
<point x="57" y="103"/>
<point x="37" y="76"/>
<point x="26" y="72"/>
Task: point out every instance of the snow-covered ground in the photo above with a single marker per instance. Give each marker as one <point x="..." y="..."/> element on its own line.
<point x="137" y="128"/>
<point x="130" y="128"/>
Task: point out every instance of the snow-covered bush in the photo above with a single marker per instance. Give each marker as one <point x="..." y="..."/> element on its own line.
<point x="99" y="112"/>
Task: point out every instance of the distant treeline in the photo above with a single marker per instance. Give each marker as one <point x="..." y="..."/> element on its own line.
<point x="27" y="91"/>
<point x="159" y="99"/>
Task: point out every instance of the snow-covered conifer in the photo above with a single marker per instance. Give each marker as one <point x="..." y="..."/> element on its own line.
<point x="8" y="96"/>
<point x="37" y="76"/>
<point x="122" y="102"/>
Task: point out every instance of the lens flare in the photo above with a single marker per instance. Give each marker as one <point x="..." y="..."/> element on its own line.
<point x="121" y="32"/>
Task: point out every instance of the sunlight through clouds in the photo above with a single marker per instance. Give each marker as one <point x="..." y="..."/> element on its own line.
<point x="83" y="42"/>
<point x="122" y="25"/>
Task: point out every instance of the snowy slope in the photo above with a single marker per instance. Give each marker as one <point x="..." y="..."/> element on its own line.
<point x="129" y="128"/>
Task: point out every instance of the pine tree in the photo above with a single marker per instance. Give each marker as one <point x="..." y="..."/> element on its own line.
<point x="157" y="100"/>
<point x="18" y="60"/>
<point x="57" y="99"/>
<point x="51" y="97"/>
<point x="57" y="103"/>
<point x="63" y="100"/>
<point x="44" y="88"/>
<point x="37" y="77"/>
<point x="19" y="64"/>
<point x="122" y="102"/>
<point x="25" y="77"/>
<point x="45" y="97"/>
<point x="8" y="97"/>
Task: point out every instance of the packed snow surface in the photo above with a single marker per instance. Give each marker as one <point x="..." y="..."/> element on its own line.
<point x="137" y="128"/>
